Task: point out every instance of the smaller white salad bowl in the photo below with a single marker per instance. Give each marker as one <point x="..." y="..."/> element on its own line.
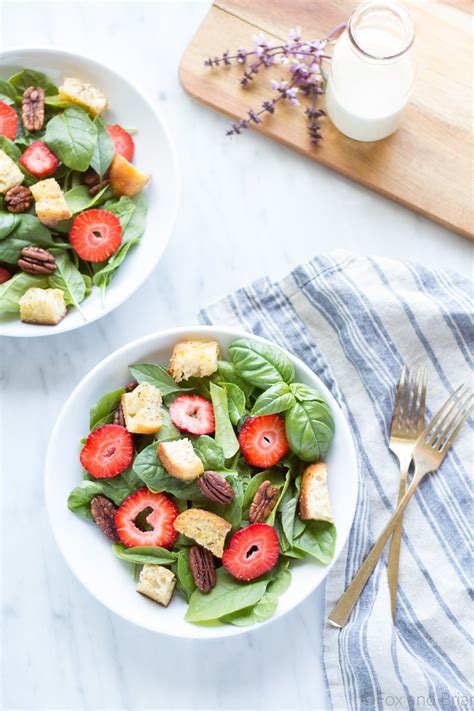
<point x="86" y="549"/>
<point x="154" y="154"/>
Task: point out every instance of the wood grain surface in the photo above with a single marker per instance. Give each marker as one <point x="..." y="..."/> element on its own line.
<point x="427" y="165"/>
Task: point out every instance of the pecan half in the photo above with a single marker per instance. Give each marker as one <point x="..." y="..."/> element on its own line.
<point x="103" y="513"/>
<point x="215" y="488"/>
<point x="263" y="502"/>
<point x="18" y="199"/>
<point x="36" y="260"/>
<point x="32" y="108"/>
<point x="130" y="386"/>
<point x="119" y="417"/>
<point x="203" y="568"/>
<point x="94" y="182"/>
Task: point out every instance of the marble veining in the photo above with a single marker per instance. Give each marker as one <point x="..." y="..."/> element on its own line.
<point x="249" y="207"/>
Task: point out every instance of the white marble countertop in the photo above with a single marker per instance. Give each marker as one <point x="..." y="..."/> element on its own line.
<point x="249" y="207"/>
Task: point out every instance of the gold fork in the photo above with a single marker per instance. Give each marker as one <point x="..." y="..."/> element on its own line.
<point x="407" y="426"/>
<point x="430" y="450"/>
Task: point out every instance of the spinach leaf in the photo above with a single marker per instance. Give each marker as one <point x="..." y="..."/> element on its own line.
<point x="149" y="469"/>
<point x="228" y="595"/>
<point x="259" y="612"/>
<point x="288" y="515"/>
<point x="132" y="215"/>
<point x="156" y="375"/>
<point x="309" y="428"/>
<point x="30" y="77"/>
<point x="117" y="488"/>
<point x="167" y="430"/>
<point x="72" y="137"/>
<point x="80" y="498"/>
<point x="103" y="276"/>
<point x="102" y="413"/>
<point x="144" y="554"/>
<point x="13" y="289"/>
<point x="7" y="91"/>
<point x="271" y="518"/>
<point x="21" y="232"/>
<point x="235" y="402"/>
<point x="104" y="149"/>
<point x="277" y="398"/>
<point x="209" y="453"/>
<point x="226" y="373"/>
<point x="260" y="364"/>
<point x="225" y="435"/>
<point x="79" y="199"/>
<point x="184" y="578"/>
<point x="318" y="539"/>
<point x="10" y="148"/>
<point x="68" y="278"/>
<point x="8" y="222"/>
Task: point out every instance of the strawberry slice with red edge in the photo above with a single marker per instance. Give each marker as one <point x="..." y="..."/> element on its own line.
<point x="4" y="275"/>
<point x="39" y="160"/>
<point x="8" y="121"/>
<point x="194" y="414"/>
<point x="108" y="451"/>
<point x="251" y="552"/>
<point x="96" y="235"/>
<point x="263" y="440"/>
<point x="145" y="510"/>
<point x="123" y="142"/>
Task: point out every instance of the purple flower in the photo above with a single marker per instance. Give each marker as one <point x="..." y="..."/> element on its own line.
<point x="294" y="34"/>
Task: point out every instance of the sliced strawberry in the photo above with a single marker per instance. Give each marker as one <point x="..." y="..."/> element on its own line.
<point x="194" y="414"/>
<point x="96" y="235"/>
<point x="8" y="121"/>
<point x="263" y="440"/>
<point x="108" y="451"/>
<point x="161" y="518"/>
<point x="123" y="142"/>
<point x="38" y="160"/>
<point x="252" y="551"/>
<point x="4" y="275"/>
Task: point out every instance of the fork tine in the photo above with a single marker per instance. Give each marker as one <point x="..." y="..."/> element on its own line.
<point x="414" y="403"/>
<point x="456" y="406"/>
<point x="404" y="418"/>
<point x="398" y="401"/>
<point x="421" y="411"/>
<point x="440" y="413"/>
<point x="447" y="444"/>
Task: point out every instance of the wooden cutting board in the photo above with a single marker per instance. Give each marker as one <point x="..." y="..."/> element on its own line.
<point x="426" y="165"/>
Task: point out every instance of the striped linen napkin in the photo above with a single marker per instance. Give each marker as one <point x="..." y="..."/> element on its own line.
<point x="355" y="321"/>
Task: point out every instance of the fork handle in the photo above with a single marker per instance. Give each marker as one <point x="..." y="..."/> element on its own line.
<point x="394" y="555"/>
<point x="341" y="612"/>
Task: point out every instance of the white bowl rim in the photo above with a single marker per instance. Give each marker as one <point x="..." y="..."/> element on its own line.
<point x="149" y="267"/>
<point x="179" y="332"/>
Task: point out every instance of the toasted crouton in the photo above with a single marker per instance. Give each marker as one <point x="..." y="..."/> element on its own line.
<point x="124" y="178"/>
<point x="10" y="174"/>
<point x="157" y="583"/>
<point x="193" y="359"/>
<point x="83" y="94"/>
<point x="42" y="306"/>
<point x="204" y="527"/>
<point x="142" y="409"/>
<point x="50" y="204"/>
<point x="314" y="496"/>
<point x="180" y="460"/>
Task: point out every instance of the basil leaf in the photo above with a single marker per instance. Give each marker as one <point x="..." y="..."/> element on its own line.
<point x="102" y="412"/>
<point x="228" y="595"/>
<point x="260" y="364"/>
<point x="68" y="278"/>
<point x="209" y="453"/>
<point x="79" y="500"/>
<point x="318" y="539"/>
<point x="149" y="469"/>
<point x="12" y="290"/>
<point x="30" y="77"/>
<point x="235" y="402"/>
<point x="309" y="428"/>
<point x="224" y="435"/>
<point x="304" y="392"/>
<point x="72" y="137"/>
<point x="144" y="554"/>
<point x="228" y="374"/>
<point x="277" y="398"/>
<point x="104" y="149"/>
<point x="79" y="199"/>
<point x="156" y="375"/>
<point x="184" y="578"/>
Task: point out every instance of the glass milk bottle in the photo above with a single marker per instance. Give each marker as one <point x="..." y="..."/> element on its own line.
<point x="372" y="71"/>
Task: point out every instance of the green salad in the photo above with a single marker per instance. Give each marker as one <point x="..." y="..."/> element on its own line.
<point x="208" y="477"/>
<point x="71" y="200"/>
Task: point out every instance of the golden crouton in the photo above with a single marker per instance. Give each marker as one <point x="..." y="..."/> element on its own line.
<point x="314" y="501"/>
<point x="180" y="460"/>
<point x="50" y="204"/>
<point x="157" y="583"/>
<point x="42" y="306"/>
<point x="124" y="178"/>
<point x="83" y="94"/>
<point x="193" y="359"/>
<point x="10" y="174"/>
<point x="142" y="409"/>
<point x="204" y="527"/>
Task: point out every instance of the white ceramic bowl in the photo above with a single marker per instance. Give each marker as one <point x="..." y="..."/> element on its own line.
<point x="154" y="154"/>
<point x="86" y="549"/>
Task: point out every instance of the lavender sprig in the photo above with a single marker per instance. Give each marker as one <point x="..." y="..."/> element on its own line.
<point x="303" y="60"/>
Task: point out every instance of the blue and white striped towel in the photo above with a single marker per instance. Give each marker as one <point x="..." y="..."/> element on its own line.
<point x="355" y="321"/>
